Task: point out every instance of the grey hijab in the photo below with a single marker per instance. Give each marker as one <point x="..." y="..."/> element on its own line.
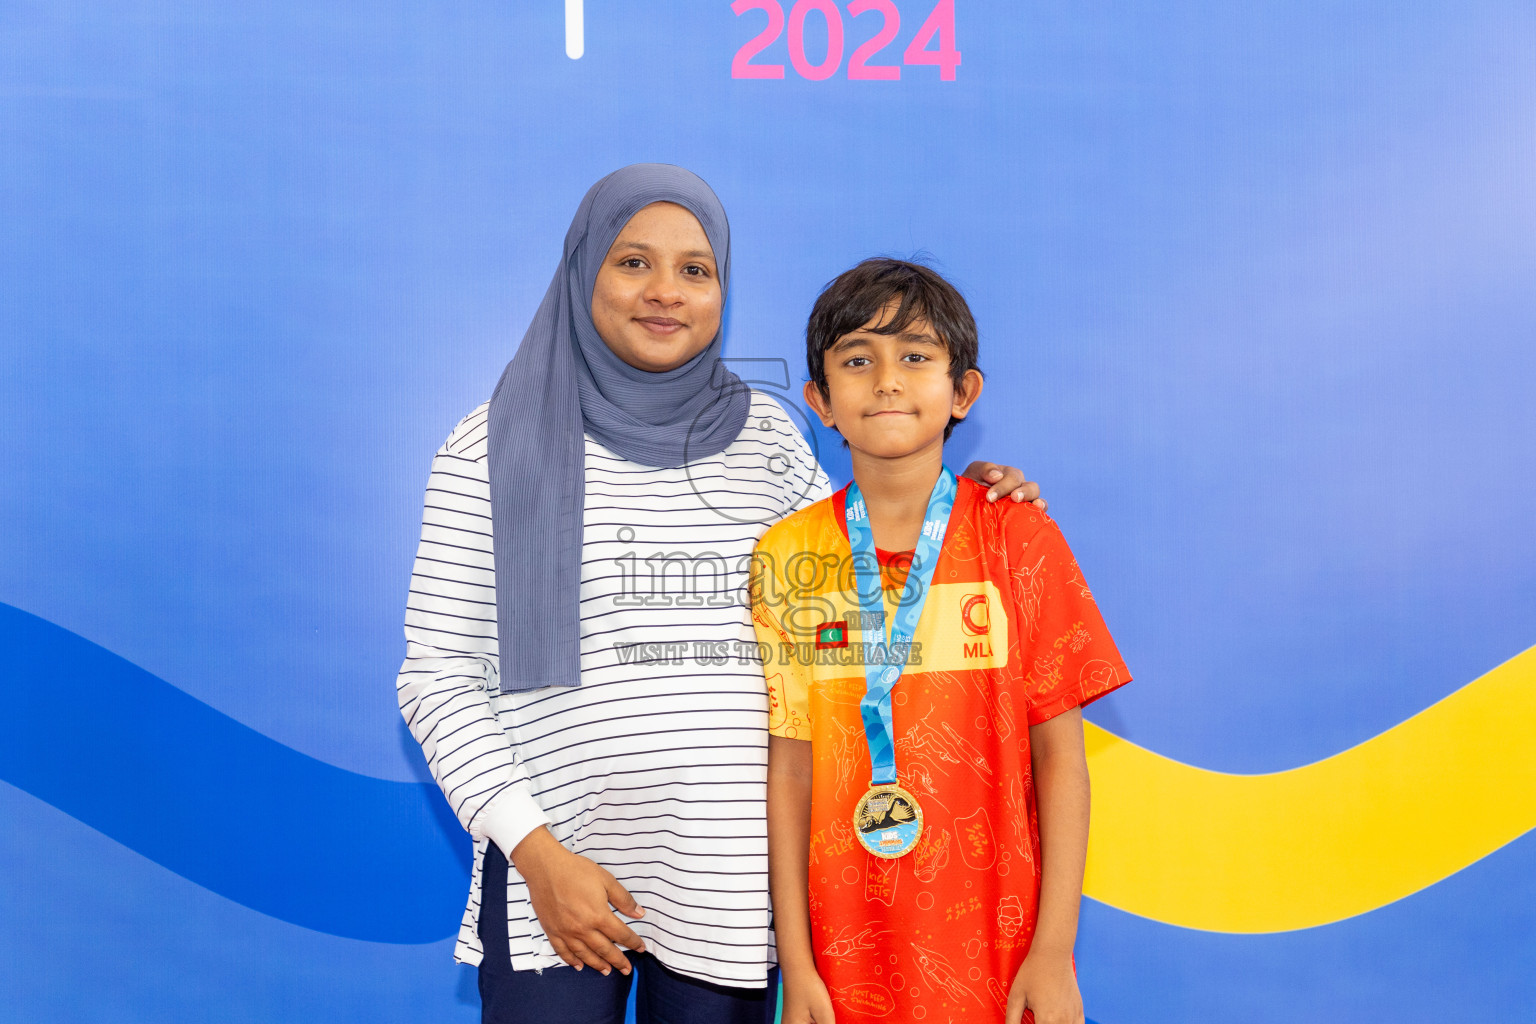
<point x="564" y="380"/>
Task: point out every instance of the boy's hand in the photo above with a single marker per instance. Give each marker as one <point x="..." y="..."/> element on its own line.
<point x="806" y="1000"/>
<point x="1046" y="985"/>
<point x="1005" y="480"/>
<point x="571" y="896"/>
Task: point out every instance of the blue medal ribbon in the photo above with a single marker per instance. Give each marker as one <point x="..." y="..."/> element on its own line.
<point x="884" y="659"/>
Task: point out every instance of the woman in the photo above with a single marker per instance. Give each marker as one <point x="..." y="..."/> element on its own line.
<point x="580" y="668"/>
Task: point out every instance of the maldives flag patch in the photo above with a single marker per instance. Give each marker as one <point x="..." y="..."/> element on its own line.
<point x="832" y="634"/>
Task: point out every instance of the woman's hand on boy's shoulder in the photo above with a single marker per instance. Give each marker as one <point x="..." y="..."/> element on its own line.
<point x="1005" y="480"/>
<point x="1046" y="985"/>
<point x="806" y="999"/>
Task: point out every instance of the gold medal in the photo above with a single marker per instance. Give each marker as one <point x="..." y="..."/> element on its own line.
<point x="888" y="821"/>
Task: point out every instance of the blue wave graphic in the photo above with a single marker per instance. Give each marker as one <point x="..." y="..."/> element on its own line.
<point x="311" y="844"/>
<point x="220" y="804"/>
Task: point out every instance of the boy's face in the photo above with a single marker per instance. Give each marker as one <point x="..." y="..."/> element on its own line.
<point x="891" y="395"/>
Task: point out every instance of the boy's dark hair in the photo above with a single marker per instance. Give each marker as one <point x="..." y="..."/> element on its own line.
<point x="857" y="295"/>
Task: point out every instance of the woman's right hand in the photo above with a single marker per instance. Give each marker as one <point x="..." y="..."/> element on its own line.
<point x="806" y="1000"/>
<point x="571" y="896"/>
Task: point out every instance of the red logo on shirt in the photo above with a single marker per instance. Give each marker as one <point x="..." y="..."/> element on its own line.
<point x="975" y="615"/>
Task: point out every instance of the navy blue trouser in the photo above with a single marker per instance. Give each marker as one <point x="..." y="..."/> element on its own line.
<point x="564" y="995"/>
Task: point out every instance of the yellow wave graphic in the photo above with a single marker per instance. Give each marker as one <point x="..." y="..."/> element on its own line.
<point x="1316" y="844"/>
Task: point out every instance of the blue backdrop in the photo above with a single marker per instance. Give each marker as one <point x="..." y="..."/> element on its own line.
<point x="1257" y="287"/>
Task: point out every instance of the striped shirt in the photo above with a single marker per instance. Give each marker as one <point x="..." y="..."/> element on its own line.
<point x="655" y="766"/>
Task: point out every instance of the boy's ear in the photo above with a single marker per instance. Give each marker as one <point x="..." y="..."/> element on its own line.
<point x="966" y="393"/>
<point x="820" y="403"/>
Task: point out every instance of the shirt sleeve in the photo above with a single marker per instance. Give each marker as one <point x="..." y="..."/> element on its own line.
<point x="450" y="670"/>
<point x="804" y="481"/>
<point x="1068" y="656"/>
<point x="788" y="675"/>
<point x="820" y="488"/>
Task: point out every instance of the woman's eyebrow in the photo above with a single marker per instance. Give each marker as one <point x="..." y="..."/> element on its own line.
<point x="692" y="254"/>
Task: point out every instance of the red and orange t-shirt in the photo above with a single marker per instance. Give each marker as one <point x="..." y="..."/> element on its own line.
<point x="1009" y="637"/>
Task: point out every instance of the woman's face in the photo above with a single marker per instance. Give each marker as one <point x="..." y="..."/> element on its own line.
<point x="656" y="302"/>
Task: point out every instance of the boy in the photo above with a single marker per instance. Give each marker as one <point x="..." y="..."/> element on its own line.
<point x="927" y="654"/>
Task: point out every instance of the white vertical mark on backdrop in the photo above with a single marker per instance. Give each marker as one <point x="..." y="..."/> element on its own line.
<point x="575" y="30"/>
